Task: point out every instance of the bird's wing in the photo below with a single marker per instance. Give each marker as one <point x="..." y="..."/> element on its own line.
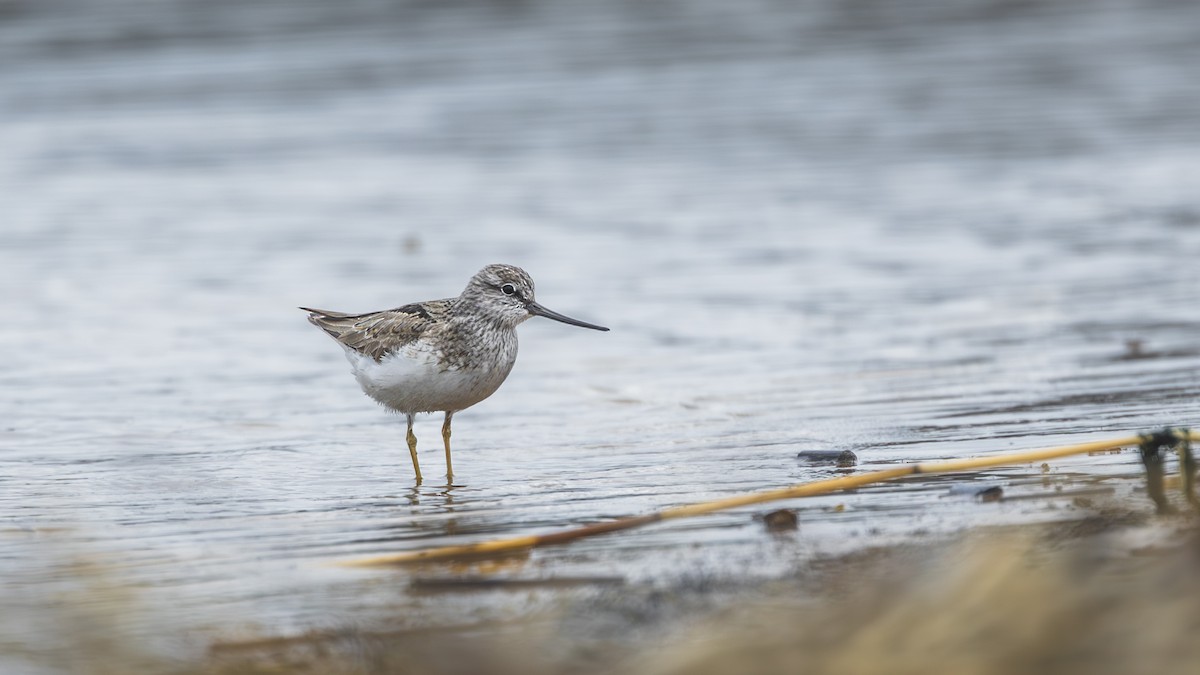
<point x="377" y="334"/>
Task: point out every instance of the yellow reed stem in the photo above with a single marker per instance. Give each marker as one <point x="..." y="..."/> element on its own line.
<point x="820" y="487"/>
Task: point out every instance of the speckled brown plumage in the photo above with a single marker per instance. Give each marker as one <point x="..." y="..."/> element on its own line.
<point x="378" y="334"/>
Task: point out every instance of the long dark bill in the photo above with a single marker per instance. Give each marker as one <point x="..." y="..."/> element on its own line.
<point x="537" y="310"/>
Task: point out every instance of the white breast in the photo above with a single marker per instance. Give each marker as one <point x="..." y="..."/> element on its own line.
<point x="414" y="380"/>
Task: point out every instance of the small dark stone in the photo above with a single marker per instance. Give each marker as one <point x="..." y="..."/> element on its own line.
<point x="841" y="458"/>
<point x="1134" y="349"/>
<point x="992" y="494"/>
<point x="781" y="520"/>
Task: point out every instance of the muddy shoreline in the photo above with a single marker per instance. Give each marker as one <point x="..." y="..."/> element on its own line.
<point x="720" y="627"/>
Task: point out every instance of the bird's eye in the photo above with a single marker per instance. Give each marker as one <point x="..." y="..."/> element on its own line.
<point x="508" y="289"/>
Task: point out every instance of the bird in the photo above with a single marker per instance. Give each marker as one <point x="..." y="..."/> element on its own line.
<point x="440" y="355"/>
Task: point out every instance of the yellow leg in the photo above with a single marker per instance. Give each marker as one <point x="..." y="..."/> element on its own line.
<point x="412" y="449"/>
<point x="446" y="440"/>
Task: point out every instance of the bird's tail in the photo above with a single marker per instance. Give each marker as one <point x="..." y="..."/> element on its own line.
<point x="334" y="323"/>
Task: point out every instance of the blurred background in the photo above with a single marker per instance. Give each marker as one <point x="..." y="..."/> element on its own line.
<point x="916" y="230"/>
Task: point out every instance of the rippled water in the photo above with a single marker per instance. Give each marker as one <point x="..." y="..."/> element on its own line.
<point x="916" y="231"/>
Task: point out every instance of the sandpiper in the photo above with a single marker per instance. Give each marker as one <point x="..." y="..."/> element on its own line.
<point x="440" y="355"/>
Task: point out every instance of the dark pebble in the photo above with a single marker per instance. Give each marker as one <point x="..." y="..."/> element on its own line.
<point x="842" y="458"/>
<point x="781" y="520"/>
<point x="992" y="494"/>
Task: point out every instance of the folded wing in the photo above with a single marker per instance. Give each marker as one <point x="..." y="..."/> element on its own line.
<point x="378" y="334"/>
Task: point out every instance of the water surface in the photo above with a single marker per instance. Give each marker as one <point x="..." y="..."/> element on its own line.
<point x="933" y="231"/>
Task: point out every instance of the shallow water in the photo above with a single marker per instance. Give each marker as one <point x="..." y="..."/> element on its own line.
<point x="919" y="233"/>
